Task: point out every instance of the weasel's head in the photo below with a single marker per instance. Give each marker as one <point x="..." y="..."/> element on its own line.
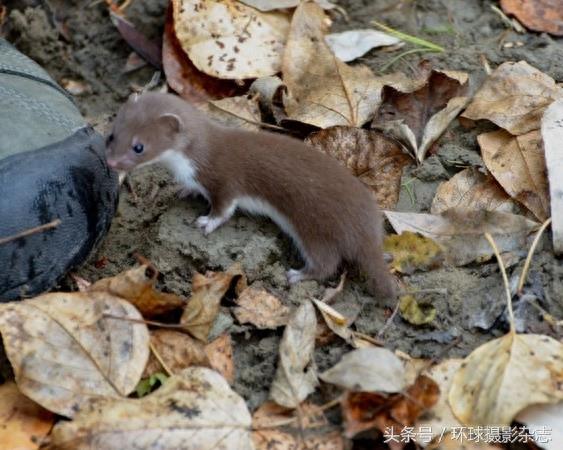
<point x="144" y="128"/>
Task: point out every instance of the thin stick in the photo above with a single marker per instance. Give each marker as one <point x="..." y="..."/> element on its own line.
<point x="34" y="230"/>
<point x="409" y="38"/>
<point x="254" y="122"/>
<point x="530" y="254"/>
<point x="390" y="320"/>
<point x="368" y="338"/>
<point x="172" y="326"/>
<point x="505" y="280"/>
<point x="160" y="360"/>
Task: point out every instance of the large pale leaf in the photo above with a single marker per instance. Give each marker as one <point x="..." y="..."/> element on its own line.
<point x="194" y="410"/>
<point x="518" y="164"/>
<point x="471" y="189"/>
<point x="227" y="39"/>
<point x="296" y="376"/>
<point x="324" y="91"/>
<point x="371" y="369"/>
<point x="64" y="349"/>
<point x="375" y="159"/>
<point x="514" y="97"/>
<point x="552" y="133"/>
<point x="461" y="232"/>
<point x="505" y="375"/>
<point x="23" y="423"/>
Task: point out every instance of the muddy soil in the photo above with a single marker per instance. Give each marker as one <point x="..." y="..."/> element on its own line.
<point x="153" y="221"/>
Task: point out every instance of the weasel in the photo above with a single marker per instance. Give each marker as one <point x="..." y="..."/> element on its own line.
<point x="330" y="215"/>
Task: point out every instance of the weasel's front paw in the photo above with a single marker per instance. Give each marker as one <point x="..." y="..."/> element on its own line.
<point x="208" y="224"/>
<point x="295" y="276"/>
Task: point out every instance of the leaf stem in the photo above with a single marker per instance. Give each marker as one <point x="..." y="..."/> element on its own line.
<point x="505" y="280"/>
<point x="530" y="254"/>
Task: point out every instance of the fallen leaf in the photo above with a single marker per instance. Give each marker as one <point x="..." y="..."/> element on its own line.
<point x="461" y="232"/>
<point x="204" y="304"/>
<point x="238" y="112"/>
<point x="416" y="312"/>
<point x="322" y="90"/>
<point x="269" y="5"/>
<point x="418" y="112"/>
<point x="65" y="351"/>
<point x="137" y="287"/>
<point x="375" y="159"/>
<point x="539" y="15"/>
<point x="366" y="410"/>
<point x="413" y="252"/>
<point x="552" y="134"/>
<point x="195" y="409"/>
<point x="177" y="350"/>
<point x="514" y="97"/>
<point x="275" y="439"/>
<point x="352" y="44"/>
<point x="148" y="50"/>
<point x="268" y="90"/>
<point x="502" y="377"/>
<point x="271" y="415"/>
<point x="471" y="189"/>
<point x="518" y="164"/>
<point x="337" y="323"/>
<point x="545" y="423"/>
<point x="229" y="40"/>
<point x="261" y="309"/>
<point x="220" y="355"/>
<point x="134" y="62"/>
<point x="369" y="369"/>
<point x="184" y="78"/>
<point x="296" y="376"/>
<point x="23" y="423"/>
<point x="440" y="418"/>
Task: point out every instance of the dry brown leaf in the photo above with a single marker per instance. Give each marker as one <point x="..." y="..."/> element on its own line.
<point x="366" y="410"/>
<point x="236" y="112"/>
<point x="514" y="97"/>
<point x="65" y="351"/>
<point x="461" y="232"/>
<point x="193" y="410"/>
<point x="418" y="112"/>
<point x="184" y="78"/>
<point x="471" y="189"/>
<point x="23" y="423"/>
<point x="375" y="159"/>
<point x="220" y="355"/>
<point x="137" y="287"/>
<point x="324" y="91"/>
<point x="518" y="164"/>
<point x="177" y="350"/>
<point x="261" y="309"/>
<point x="369" y="369"/>
<point x="203" y="306"/>
<point x="440" y="417"/>
<point x="537" y="15"/>
<point x="270" y="415"/>
<point x="275" y="439"/>
<point x="229" y="40"/>
<point x="552" y="134"/>
<point x="505" y="375"/>
<point x="296" y="376"/>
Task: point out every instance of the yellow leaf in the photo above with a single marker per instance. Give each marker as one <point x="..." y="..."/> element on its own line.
<point x="412" y="251"/>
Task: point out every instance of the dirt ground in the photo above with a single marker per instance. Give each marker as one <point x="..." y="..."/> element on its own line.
<point x="159" y="225"/>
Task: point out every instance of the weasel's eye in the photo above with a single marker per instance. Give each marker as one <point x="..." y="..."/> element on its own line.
<point x="138" y="148"/>
<point x="109" y="139"/>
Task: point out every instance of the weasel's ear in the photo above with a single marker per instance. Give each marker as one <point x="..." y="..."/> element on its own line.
<point x="172" y="122"/>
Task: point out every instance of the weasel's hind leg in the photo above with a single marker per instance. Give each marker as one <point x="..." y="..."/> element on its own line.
<point x="380" y="282"/>
<point x="319" y="265"/>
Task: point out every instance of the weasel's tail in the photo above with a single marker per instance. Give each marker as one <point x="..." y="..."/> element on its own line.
<point x="380" y="282"/>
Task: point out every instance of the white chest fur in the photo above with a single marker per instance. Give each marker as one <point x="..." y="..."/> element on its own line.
<point x="183" y="169"/>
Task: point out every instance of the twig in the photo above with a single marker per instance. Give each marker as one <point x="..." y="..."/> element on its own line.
<point x="160" y="360"/>
<point x="409" y="38"/>
<point x="172" y="326"/>
<point x="390" y="320"/>
<point x="401" y="55"/>
<point x="530" y="254"/>
<point x="505" y="280"/>
<point x="54" y="224"/>
<point x="254" y="122"/>
<point x="367" y="337"/>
